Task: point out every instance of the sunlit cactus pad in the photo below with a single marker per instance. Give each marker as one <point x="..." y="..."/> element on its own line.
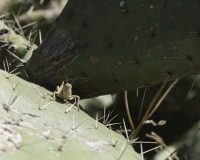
<point x="32" y="126"/>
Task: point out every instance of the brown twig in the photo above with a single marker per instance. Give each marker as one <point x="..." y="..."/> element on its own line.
<point x="163" y="97"/>
<point x="145" y="117"/>
<point x="182" y="144"/>
<point x="127" y="110"/>
<point x="159" y="140"/>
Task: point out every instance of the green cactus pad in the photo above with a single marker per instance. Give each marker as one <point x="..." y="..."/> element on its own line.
<point x="28" y="132"/>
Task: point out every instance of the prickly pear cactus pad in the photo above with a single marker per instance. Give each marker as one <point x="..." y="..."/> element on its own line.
<point x="114" y="46"/>
<point x="15" y="43"/>
<point x="32" y="126"/>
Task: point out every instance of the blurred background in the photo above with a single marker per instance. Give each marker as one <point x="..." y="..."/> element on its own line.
<point x="182" y="116"/>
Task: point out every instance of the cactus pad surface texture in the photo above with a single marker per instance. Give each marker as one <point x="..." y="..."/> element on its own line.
<point x="32" y="126"/>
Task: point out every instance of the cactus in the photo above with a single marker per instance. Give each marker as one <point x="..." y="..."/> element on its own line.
<point x="34" y="126"/>
<point x="126" y="47"/>
<point x="16" y="45"/>
<point x="114" y="46"/>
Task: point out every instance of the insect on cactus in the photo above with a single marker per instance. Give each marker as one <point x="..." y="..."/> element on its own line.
<point x="65" y="92"/>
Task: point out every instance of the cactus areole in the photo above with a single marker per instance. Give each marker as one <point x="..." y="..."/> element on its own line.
<point x="119" y="45"/>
